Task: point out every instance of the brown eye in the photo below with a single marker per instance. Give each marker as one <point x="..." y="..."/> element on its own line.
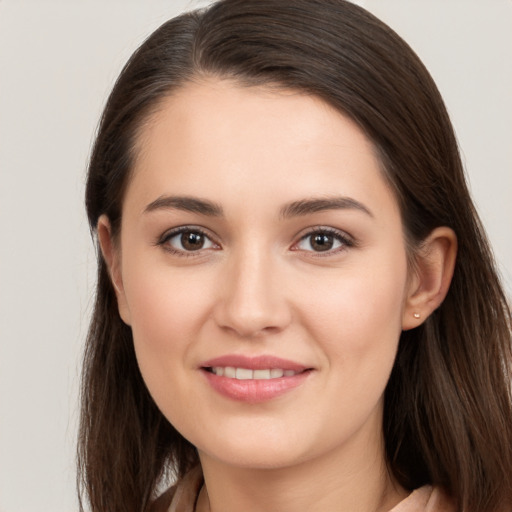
<point x="321" y="242"/>
<point x="192" y="240"/>
<point x="187" y="240"/>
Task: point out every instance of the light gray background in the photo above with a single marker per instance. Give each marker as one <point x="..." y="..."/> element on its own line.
<point x="58" y="60"/>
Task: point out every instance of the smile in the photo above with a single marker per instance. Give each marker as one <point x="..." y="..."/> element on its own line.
<point x="254" y="379"/>
<point x="247" y="374"/>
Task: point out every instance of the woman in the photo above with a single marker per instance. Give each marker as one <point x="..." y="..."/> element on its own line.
<point x="297" y="308"/>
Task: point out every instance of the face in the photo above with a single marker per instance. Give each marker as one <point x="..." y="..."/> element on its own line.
<point x="261" y="265"/>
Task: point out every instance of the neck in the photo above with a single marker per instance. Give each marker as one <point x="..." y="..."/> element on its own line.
<point x="332" y="483"/>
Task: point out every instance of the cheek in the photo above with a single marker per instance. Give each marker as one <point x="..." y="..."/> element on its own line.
<point x="167" y="308"/>
<point x="358" y="327"/>
<point x="155" y="312"/>
<point x="166" y="304"/>
<point x="167" y="313"/>
<point x="358" y="314"/>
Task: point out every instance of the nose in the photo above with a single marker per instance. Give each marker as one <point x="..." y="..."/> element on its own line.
<point x="252" y="297"/>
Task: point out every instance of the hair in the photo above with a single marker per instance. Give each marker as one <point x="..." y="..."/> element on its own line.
<point x="447" y="409"/>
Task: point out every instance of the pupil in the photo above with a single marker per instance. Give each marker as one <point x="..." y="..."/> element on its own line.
<point x="192" y="241"/>
<point x="322" y="242"/>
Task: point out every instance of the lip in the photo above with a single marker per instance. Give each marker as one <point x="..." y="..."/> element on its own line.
<point x="254" y="363"/>
<point x="253" y="390"/>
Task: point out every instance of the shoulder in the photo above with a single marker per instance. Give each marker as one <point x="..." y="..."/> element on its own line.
<point x="182" y="496"/>
<point x="163" y="502"/>
<point x="426" y="499"/>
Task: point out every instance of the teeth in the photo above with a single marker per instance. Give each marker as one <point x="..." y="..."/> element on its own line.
<point x="247" y="374"/>
<point x="230" y="372"/>
<point x="243" y="374"/>
<point x="261" y="374"/>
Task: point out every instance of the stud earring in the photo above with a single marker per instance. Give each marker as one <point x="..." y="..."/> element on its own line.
<point x="416" y="315"/>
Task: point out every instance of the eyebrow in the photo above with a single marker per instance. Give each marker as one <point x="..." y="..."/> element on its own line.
<point x="186" y="203"/>
<point x="293" y="209"/>
<point x="314" y="205"/>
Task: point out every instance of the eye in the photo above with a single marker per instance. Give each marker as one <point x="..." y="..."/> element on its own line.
<point x="187" y="240"/>
<point x="323" y="240"/>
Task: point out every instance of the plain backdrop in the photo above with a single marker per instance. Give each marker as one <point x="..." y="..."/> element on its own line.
<point x="58" y="60"/>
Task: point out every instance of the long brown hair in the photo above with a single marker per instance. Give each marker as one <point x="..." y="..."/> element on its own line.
<point x="448" y="413"/>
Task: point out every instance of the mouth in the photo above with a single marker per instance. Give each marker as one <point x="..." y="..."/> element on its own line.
<point x="231" y="372"/>
<point x="254" y="379"/>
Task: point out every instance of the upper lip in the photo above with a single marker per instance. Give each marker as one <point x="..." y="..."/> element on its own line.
<point x="254" y="362"/>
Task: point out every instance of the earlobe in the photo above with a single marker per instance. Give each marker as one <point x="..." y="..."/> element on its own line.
<point x="435" y="263"/>
<point x="111" y="255"/>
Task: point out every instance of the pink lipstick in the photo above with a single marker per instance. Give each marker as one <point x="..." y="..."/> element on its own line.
<point x="253" y="379"/>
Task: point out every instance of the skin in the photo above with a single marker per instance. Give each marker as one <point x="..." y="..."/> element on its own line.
<point x="259" y="286"/>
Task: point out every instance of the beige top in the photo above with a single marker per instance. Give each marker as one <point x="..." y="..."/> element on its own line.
<point x="183" y="496"/>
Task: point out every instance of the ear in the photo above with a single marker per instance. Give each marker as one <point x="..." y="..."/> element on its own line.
<point x="432" y="275"/>
<point x="112" y="256"/>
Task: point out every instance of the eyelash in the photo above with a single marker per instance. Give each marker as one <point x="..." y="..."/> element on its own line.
<point x="169" y="235"/>
<point x="344" y="240"/>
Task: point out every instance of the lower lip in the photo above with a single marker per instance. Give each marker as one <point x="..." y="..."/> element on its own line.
<point x="255" y="390"/>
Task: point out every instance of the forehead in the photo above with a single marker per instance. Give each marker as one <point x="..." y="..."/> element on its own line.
<point x="218" y="136"/>
<point x="214" y="106"/>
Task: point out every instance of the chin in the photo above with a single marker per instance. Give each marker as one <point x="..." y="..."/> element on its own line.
<point x="259" y="452"/>
<point x="256" y="459"/>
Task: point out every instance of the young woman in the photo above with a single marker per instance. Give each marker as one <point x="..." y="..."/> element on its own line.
<point x="297" y="308"/>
